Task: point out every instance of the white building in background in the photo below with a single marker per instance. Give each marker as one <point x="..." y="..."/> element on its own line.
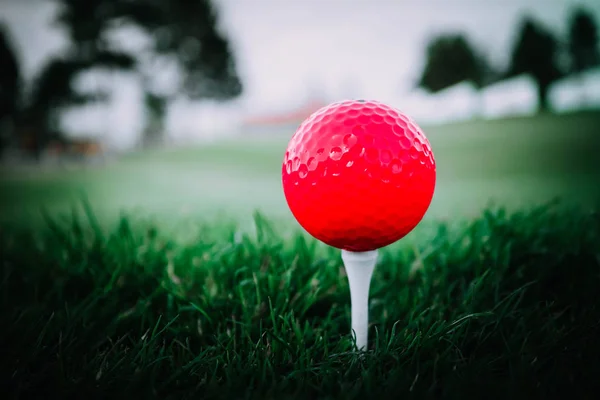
<point x="513" y="97"/>
<point x="576" y="92"/>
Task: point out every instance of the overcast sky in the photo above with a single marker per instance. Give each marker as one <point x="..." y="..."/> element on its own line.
<point x="371" y="48"/>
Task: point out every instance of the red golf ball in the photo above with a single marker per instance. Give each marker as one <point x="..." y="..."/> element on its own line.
<point x="358" y="175"/>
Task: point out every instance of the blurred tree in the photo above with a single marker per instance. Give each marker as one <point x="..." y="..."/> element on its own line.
<point x="180" y="28"/>
<point x="535" y="52"/>
<point x="10" y="86"/>
<point x="85" y="22"/>
<point x="188" y="30"/>
<point x="583" y="41"/>
<point x="451" y="59"/>
<point x="52" y="90"/>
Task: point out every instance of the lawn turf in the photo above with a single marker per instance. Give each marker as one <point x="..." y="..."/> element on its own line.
<point x="515" y="163"/>
<point x="504" y="305"/>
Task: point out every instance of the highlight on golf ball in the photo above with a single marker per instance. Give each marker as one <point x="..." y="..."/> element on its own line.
<point x="358" y="175"/>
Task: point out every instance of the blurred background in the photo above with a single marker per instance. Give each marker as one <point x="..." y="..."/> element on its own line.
<point x="184" y="108"/>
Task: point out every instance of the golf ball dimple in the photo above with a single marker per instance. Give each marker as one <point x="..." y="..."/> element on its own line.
<point x="358" y="175"/>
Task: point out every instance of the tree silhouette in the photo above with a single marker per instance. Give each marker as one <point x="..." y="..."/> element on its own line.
<point x="535" y="52"/>
<point x="583" y="41"/>
<point x="451" y="59"/>
<point x="85" y="22"/>
<point x="53" y="90"/>
<point x="185" y="30"/>
<point x="188" y="30"/>
<point x="10" y="82"/>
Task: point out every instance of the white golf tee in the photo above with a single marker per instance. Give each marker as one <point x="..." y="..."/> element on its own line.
<point x="359" y="269"/>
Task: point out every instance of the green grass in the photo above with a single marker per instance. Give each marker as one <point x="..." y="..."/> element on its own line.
<point x="516" y="163"/>
<point x="503" y="305"/>
<point x="185" y="295"/>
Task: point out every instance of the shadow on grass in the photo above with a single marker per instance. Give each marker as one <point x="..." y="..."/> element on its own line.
<point x="504" y="305"/>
